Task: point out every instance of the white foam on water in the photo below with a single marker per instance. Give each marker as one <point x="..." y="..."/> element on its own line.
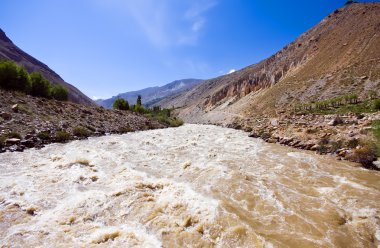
<point x="105" y="190"/>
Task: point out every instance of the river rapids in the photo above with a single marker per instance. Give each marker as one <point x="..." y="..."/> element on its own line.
<point x="192" y="186"/>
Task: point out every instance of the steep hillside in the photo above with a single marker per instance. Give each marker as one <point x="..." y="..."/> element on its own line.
<point x="38" y="121"/>
<point x="10" y="51"/>
<point x="340" y="55"/>
<point x="153" y="94"/>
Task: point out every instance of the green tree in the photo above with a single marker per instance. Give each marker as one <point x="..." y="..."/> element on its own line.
<point x="23" y="80"/>
<point x="59" y="93"/>
<point x="14" y="77"/>
<point x="121" y="104"/>
<point x="138" y="101"/>
<point x="8" y="74"/>
<point x="40" y="86"/>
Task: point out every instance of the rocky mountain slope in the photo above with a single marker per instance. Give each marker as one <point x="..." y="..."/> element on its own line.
<point x="27" y="121"/>
<point x="153" y="94"/>
<point x="340" y="55"/>
<point x="9" y="51"/>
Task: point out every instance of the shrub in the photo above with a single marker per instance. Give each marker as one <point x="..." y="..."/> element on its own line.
<point x="23" y="81"/>
<point x="44" y="135"/>
<point x="140" y="109"/>
<point x="2" y="141"/>
<point x="353" y="143"/>
<point x="376" y="134"/>
<point x="60" y="93"/>
<point x="8" y="74"/>
<point x="13" y="135"/>
<point x="121" y="104"/>
<point x="364" y="155"/>
<point x="81" y="132"/>
<point x="14" y="77"/>
<point x="125" y="129"/>
<point x="62" y="136"/>
<point x="336" y="145"/>
<point x="372" y="94"/>
<point x="40" y="86"/>
<point x="376" y="104"/>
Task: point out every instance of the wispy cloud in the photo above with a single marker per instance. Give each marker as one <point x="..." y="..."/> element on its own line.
<point x="168" y="22"/>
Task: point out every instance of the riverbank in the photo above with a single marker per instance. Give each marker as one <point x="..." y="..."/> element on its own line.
<point x="27" y="121"/>
<point x="346" y="137"/>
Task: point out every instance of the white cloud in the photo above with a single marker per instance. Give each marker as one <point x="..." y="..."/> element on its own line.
<point x="231" y="71"/>
<point x="167" y="22"/>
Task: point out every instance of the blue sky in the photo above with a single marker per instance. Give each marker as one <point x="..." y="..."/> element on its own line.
<point x="105" y="47"/>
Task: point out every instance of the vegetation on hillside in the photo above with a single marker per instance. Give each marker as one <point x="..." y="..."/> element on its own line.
<point x="155" y="113"/>
<point x="341" y="105"/>
<point x="14" y="77"/>
<point x="121" y="104"/>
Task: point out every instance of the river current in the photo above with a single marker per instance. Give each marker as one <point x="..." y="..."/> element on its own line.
<point x="192" y="186"/>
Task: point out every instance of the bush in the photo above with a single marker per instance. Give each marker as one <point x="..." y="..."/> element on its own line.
<point x="353" y="143"/>
<point x="376" y="104"/>
<point x="8" y="74"/>
<point x="13" y="77"/>
<point x="23" y="81"/>
<point x="60" y="93"/>
<point x="40" y="86"/>
<point x="44" y="135"/>
<point x="2" y="141"/>
<point x="81" y="132"/>
<point x="13" y="135"/>
<point x="62" y="136"/>
<point x="121" y="104"/>
<point x="364" y="155"/>
<point x="140" y="109"/>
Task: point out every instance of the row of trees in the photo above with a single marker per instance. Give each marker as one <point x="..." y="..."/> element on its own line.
<point x="156" y="113"/>
<point x="14" y="77"/>
<point x="329" y="103"/>
<point x="122" y="104"/>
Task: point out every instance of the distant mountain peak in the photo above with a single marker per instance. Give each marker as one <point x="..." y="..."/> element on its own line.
<point x="152" y="95"/>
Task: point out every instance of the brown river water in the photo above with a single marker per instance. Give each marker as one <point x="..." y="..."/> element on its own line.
<point x="192" y="186"/>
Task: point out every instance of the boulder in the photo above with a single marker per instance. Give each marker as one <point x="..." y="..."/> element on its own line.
<point x="15" y="108"/>
<point x="315" y="147"/>
<point x="336" y="121"/>
<point x="274" y="122"/>
<point x="28" y="143"/>
<point x="12" y="141"/>
<point x="253" y="135"/>
<point x="377" y="164"/>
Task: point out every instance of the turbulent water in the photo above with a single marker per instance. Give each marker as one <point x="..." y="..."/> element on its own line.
<point x="193" y="186"/>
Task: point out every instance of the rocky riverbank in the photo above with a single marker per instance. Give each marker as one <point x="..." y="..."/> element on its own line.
<point x="348" y="137"/>
<point x="27" y="122"/>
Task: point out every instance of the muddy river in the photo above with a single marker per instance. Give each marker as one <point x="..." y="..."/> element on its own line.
<point x="192" y="186"/>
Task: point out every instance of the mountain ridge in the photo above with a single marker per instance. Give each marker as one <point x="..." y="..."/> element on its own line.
<point x="153" y="94"/>
<point x="329" y="59"/>
<point x="10" y="51"/>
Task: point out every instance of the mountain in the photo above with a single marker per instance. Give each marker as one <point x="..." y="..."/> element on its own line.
<point x="153" y="94"/>
<point x="338" y="56"/>
<point x="10" y="51"/>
